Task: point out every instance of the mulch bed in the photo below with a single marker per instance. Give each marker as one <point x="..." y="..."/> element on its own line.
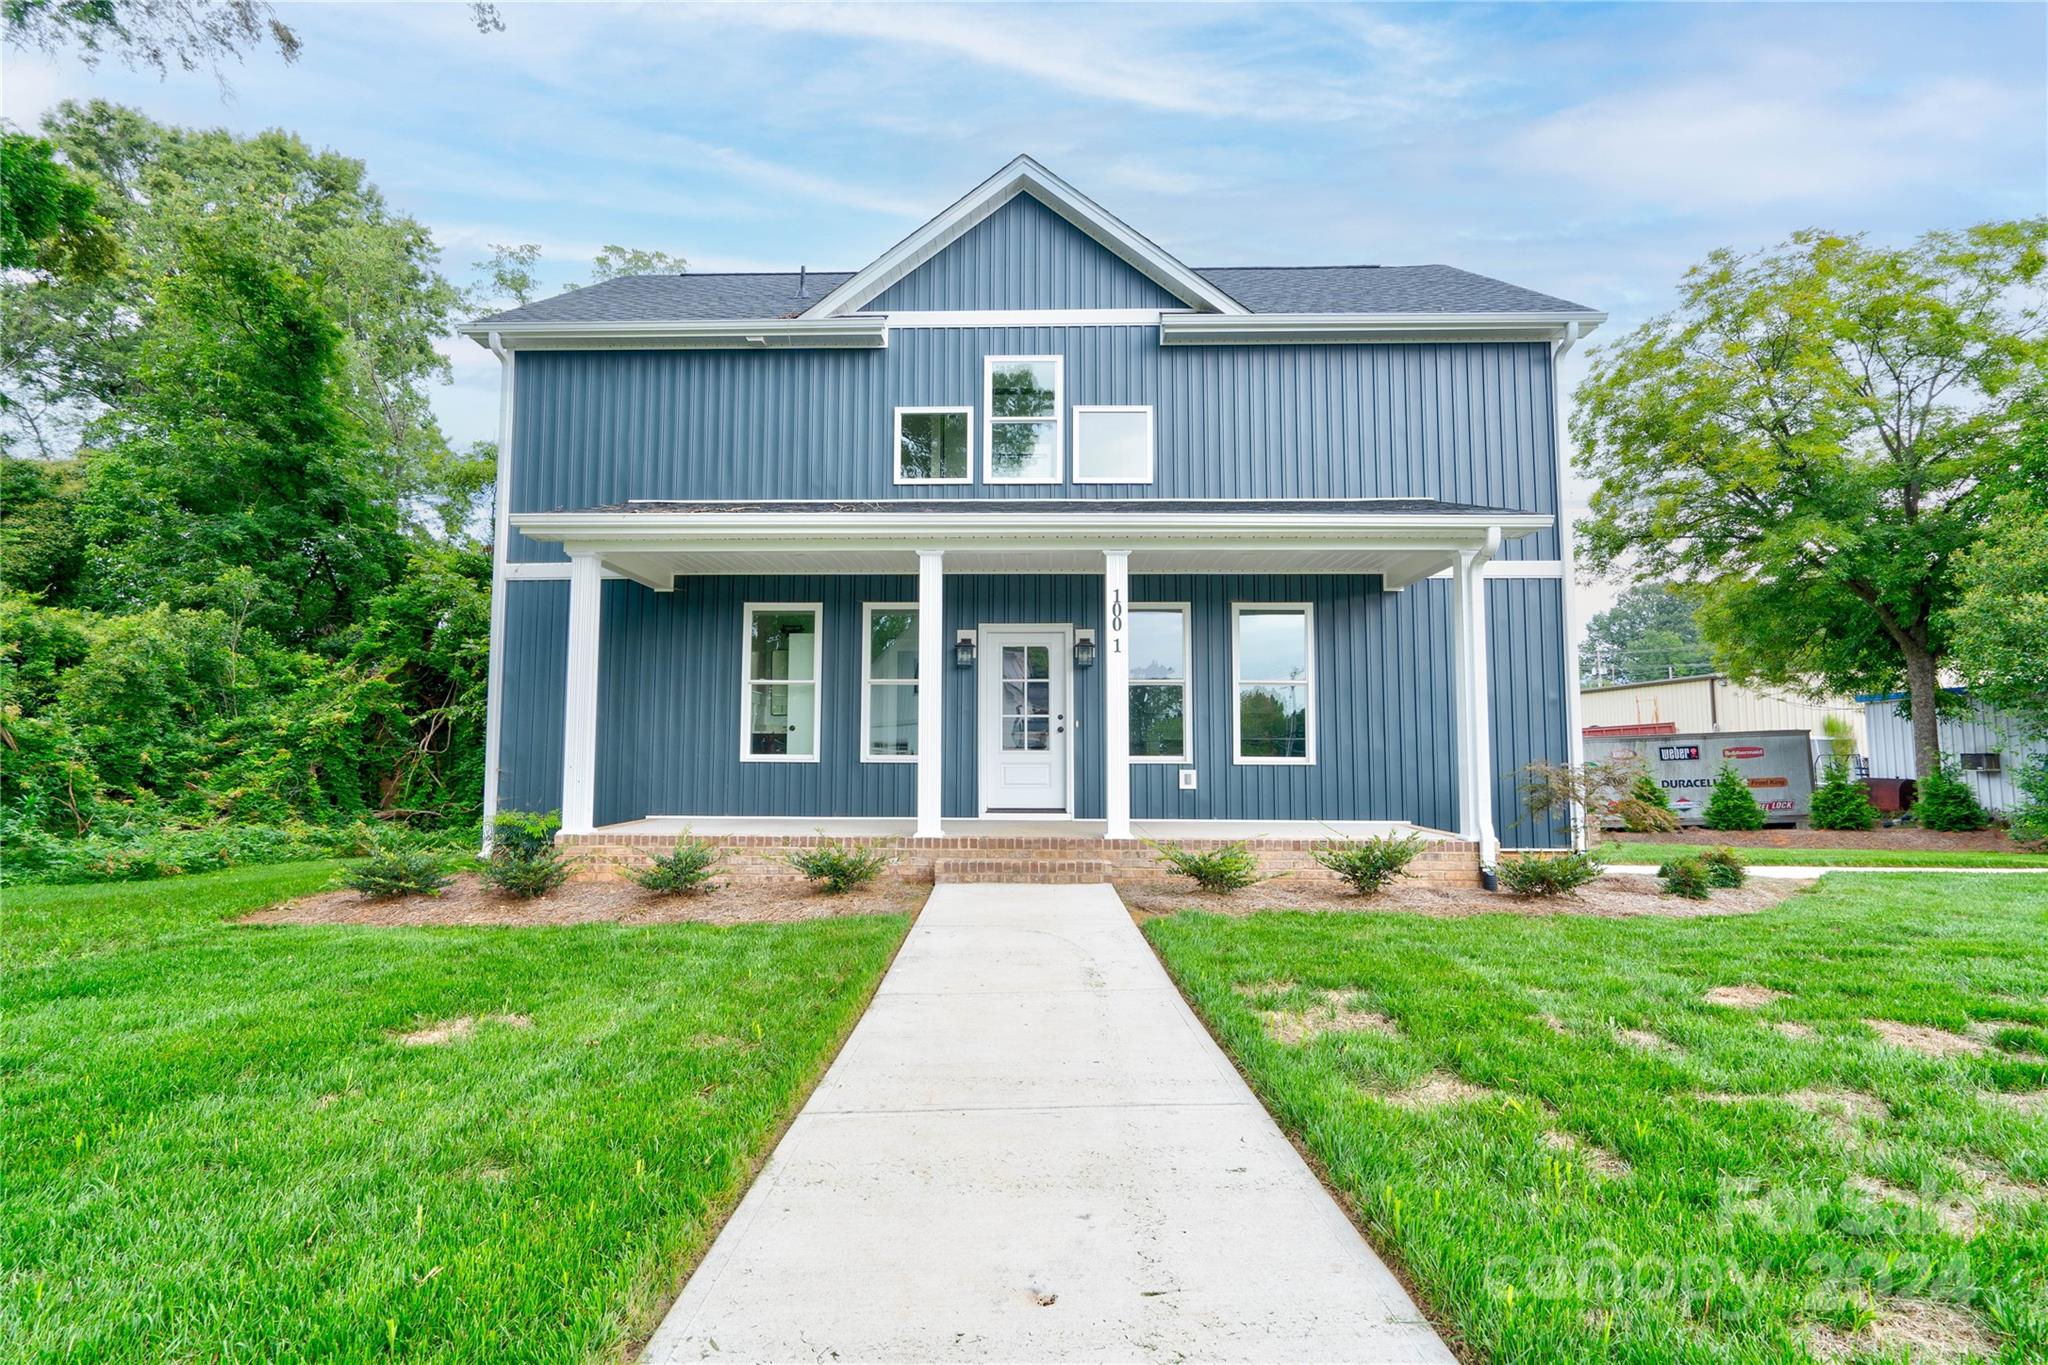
<point x="1903" y="837"/>
<point x="597" y="898"/>
<point x="1612" y="897"/>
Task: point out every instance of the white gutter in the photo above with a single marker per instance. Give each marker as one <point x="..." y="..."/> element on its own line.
<point x="869" y="330"/>
<point x="1213" y="330"/>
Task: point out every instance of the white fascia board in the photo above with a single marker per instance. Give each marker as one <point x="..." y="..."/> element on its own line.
<point x="754" y="334"/>
<point x="1021" y="175"/>
<point x="1199" y="329"/>
<point x="882" y="530"/>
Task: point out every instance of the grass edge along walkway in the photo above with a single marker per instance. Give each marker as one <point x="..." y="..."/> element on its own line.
<point x="445" y="1144"/>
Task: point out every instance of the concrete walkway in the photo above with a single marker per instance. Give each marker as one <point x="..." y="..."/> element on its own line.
<point x="1031" y="1150"/>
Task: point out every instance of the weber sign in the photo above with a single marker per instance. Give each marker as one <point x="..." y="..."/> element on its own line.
<point x="1777" y="764"/>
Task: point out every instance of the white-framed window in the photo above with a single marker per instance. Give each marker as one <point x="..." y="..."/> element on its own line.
<point x="1112" y="443"/>
<point x="888" y="680"/>
<point x="1161" y="699"/>
<point x="779" y="701"/>
<point x="934" y="445"/>
<point x="1273" y="694"/>
<point x="1023" y="397"/>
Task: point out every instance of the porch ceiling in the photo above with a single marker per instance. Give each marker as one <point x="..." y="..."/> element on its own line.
<point x="1403" y="540"/>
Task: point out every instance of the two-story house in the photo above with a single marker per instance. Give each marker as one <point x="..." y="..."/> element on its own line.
<point x="1026" y="525"/>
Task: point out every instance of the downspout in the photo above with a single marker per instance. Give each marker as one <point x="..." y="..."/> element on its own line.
<point x="494" y="696"/>
<point x="1575" y="739"/>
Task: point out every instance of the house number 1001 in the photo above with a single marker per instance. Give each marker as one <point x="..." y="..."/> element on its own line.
<point x="1116" y="622"/>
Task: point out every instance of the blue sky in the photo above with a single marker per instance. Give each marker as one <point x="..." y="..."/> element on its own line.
<point x="1592" y="151"/>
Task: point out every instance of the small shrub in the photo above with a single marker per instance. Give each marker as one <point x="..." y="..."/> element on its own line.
<point x="1547" y="874"/>
<point x="525" y="861"/>
<point x="1230" y="868"/>
<point x="1647" y="807"/>
<point x="1725" y="871"/>
<point x="839" y="867"/>
<point x="1686" y="877"/>
<point x="1946" y="803"/>
<point x="688" y="867"/>
<point x="391" y="872"/>
<point x="1369" y="864"/>
<point x="2029" y="814"/>
<point x="1841" y="802"/>
<point x="1731" y="806"/>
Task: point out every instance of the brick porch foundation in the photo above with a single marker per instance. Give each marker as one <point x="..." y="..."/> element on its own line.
<point x="991" y="858"/>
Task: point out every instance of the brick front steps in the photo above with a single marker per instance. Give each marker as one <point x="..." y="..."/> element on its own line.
<point x="989" y="858"/>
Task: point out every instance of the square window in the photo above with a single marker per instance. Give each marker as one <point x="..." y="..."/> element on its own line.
<point x="933" y="445"/>
<point x="1112" y="444"/>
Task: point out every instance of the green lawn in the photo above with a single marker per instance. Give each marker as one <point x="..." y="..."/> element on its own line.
<point x="1615" y="851"/>
<point x="1745" y="1215"/>
<point x="214" y="1147"/>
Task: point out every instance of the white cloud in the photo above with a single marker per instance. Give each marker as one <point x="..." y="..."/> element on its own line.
<point x="1762" y="137"/>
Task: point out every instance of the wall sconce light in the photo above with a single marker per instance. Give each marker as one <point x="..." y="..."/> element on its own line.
<point x="1084" y="649"/>
<point x="963" y="649"/>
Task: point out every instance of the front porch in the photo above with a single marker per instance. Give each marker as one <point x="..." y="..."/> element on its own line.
<point x="1374" y="712"/>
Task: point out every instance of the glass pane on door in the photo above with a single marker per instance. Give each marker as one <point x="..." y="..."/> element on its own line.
<point x="1027" y="697"/>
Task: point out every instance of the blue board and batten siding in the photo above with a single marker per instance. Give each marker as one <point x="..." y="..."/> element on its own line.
<point x="1468" y="423"/>
<point x="669" y="700"/>
<point x="1022" y="256"/>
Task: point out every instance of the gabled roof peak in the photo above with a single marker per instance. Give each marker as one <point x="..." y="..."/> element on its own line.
<point x="1024" y="175"/>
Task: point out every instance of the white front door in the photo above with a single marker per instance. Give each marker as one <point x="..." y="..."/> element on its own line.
<point x="1025" y="721"/>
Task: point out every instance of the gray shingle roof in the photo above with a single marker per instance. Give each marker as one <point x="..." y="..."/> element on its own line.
<point x="1262" y="289"/>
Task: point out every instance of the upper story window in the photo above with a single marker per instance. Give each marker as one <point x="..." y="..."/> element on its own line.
<point x="1024" y="397"/>
<point x="934" y="445"/>
<point x="1112" y="444"/>
<point x="780" y="724"/>
<point x="1274" y="659"/>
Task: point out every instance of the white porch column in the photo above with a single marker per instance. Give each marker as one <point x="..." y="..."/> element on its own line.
<point x="1115" y="655"/>
<point x="1474" y="695"/>
<point x="579" y="728"/>
<point x="931" y="691"/>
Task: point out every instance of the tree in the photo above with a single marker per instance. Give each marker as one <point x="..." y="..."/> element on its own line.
<point x="1946" y="803"/>
<point x="193" y="34"/>
<point x="1804" y="442"/>
<point x="1999" y="624"/>
<point x="69" y="348"/>
<point x="1649" y="633"/>
<point x="508" y="276"/>
<point x="49" y="218"/>
<point x="1841" y="802"/>
<point x="614" y="261"/>
<point x="1731" y="806"/>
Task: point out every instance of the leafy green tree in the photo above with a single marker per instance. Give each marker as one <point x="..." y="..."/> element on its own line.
<point x="1648" y="807"/>
<point x="234" y="452"/>
<point x="612" y="262"/>
<point x="509" y="278"/>
<point x="69" y="349"/>
<point x="1732" y="806"/>
<point x="42" y="551"/>
<point x="1841" y="802"/>
<point x="49" y="218"/>
<point x="1999" y="623"/>
<point x="1649" y="633"/>
<point x="1805" y="440"/>
<point x="159" y="34"/>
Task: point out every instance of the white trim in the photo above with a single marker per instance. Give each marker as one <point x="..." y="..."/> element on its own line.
<point x="986" y="715"/>
<point x="1021" y="175"/>
<point x="1151" y="443"/>
<point x="748" y="682"/>
<point x="1567" y="574"/>
<point x="1238" y="682"/>
<point x="896" y="445"/>
<point x="1058" y="417"/>
<point x="921" y="528"/>
<point x="1474" y="705"/>
<point x="579" y="695"/>
<point x="501" y="535"/>
<point x="868" y="682"/>
<point x="1186" y="756"/>
<point x="932" y="662"/>
<point x="725" y="334"/>
<point x="1514" y="568"/>
<point x="1113" y="657"/>
<point x="1208" y="329"/>
<point x="1028" y="317"/>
